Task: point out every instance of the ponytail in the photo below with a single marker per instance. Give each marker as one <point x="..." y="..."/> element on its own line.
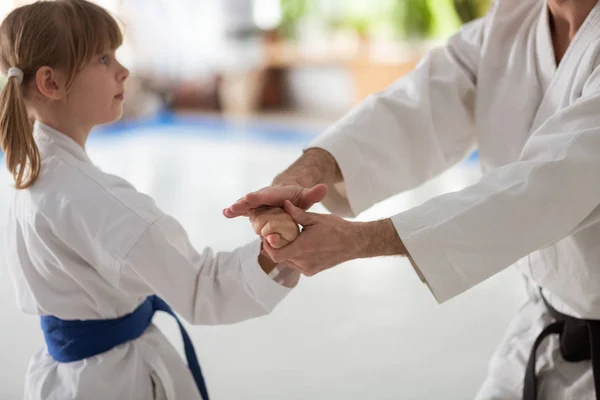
<point x="16" y="135"/>
<point x="63" y="34"/>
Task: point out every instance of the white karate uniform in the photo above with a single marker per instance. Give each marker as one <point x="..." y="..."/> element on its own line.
<point x="495" y="85"/>
<point x="82" y="244"/>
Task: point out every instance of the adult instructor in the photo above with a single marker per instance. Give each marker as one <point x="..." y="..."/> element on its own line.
<point x="523" y="86"/>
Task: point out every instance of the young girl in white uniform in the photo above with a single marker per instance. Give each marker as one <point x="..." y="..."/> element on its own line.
<point x="87" y="252"/>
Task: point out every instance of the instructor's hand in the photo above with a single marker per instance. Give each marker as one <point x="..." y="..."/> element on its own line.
<point x="275" y="196"/>
<point x="325" y="241"/>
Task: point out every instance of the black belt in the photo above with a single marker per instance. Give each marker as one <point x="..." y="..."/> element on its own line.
<point x="579" y="341"/>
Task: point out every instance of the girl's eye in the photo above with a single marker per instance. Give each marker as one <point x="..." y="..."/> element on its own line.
<point x="104" y="59"/>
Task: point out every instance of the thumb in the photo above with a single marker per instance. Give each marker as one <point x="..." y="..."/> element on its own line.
<point x="298" y="215"/>
<point x="315" y="194"/>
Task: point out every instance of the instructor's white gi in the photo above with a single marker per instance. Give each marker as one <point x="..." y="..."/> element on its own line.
<point x="495" y="85"/>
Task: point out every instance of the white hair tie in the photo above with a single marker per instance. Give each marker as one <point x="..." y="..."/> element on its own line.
<point x="16" y="73"/>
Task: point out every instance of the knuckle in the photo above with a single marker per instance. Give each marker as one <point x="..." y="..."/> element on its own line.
<point x="256" y="227"/>
<point x="268" y="228"/>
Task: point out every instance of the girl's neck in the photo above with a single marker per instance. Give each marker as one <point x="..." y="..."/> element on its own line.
<point x="76" y="132"/>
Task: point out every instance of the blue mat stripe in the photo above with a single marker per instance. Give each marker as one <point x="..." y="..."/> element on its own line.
<point x="215" y="128"/>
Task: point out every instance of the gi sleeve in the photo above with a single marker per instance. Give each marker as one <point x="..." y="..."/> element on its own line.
<point x="460" y="239"/>
<point x="206" y="287"/>
<point x="414" y="130"/>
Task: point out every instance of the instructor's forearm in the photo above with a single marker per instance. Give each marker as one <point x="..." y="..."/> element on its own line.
<point x="378" y="238"/>
<point x="313" y="167"/>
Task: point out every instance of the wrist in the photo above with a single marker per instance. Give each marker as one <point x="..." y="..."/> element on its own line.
<point x="315" y="166"/>
<point x="377" y="238"/>
<point x="265" y="262"/>
<point x="286" y="179"/>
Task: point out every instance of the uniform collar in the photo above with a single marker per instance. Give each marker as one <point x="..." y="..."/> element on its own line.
<point x="46" y="136"/>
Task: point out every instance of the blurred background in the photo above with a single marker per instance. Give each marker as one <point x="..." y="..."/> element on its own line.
<point x="224" y="94"/>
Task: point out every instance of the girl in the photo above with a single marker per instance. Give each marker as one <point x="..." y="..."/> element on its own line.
<point x="87" y="252"/>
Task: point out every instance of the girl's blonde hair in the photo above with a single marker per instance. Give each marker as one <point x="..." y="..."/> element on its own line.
<point x="62" y="34"/>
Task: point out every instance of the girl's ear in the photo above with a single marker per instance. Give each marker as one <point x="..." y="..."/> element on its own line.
<point x="51" y="83"/>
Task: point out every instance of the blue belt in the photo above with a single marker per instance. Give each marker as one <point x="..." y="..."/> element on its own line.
<point x="76" y="340"/>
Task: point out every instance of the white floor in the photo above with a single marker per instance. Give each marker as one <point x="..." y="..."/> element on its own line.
<point x="365" y="330"/>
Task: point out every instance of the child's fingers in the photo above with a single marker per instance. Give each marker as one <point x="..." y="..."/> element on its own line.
<point x="287" y="230"/>
<point x="276" y="241"/>
<point x="259" y="218"/>
<point x="268" y="228"/>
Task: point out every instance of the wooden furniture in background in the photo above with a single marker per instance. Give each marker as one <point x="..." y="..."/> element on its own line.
<point x="369" y="74"/>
